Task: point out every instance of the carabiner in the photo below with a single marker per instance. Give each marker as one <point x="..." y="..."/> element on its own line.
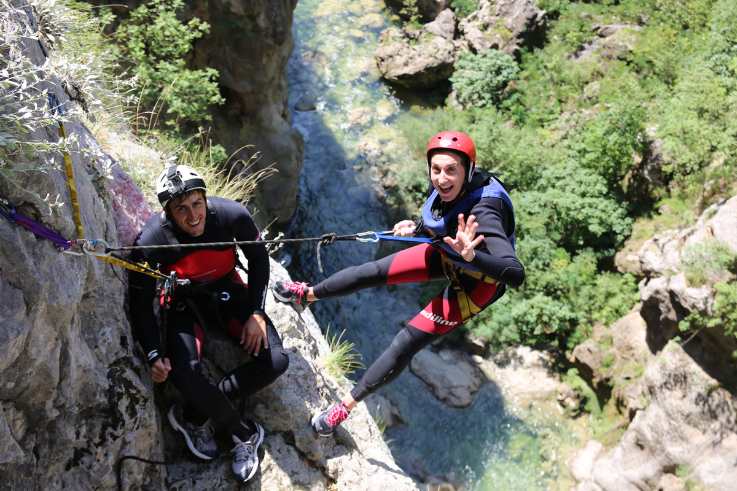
<point x="369" y="236"/>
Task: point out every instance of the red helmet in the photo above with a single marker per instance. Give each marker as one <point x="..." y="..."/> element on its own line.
<point x="456" y="141"/>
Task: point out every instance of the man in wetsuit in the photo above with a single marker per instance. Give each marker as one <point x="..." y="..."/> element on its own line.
<point x="217" y="296"/>
<point x="470" y="216"/>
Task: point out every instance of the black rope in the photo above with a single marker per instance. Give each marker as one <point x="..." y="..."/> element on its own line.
<point x="119" y="466"/>
<point x="324" y="239"/>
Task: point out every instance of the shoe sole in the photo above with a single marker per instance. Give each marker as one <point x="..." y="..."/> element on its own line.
<point x="314" y="421"/>
<point x="260" y="440"/>
<point x="175" y="424"/>
<point x="298" y="307"/>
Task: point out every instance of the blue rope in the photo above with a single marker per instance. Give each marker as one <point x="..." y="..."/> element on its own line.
<point x="424" y="240"/>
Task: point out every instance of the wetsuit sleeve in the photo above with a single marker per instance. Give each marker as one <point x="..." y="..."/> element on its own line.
<point x="257" y="256"/>
<point x="141" y="294"/>
<point x="499" y="259"/>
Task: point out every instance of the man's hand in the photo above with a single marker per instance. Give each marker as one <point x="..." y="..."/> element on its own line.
<point x="405" y="228"/>
<point x="160" y="370"/>
<point x="253" y="334"/>
<point x="464" y="242"/>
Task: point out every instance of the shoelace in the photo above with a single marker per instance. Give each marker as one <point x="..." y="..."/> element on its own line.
<point x="337" y="414"/>
<point x="298" y="288"/>
<point x="243" y="452"/>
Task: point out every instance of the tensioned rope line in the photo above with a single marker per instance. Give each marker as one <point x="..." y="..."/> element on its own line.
<point x="325" y="239"/>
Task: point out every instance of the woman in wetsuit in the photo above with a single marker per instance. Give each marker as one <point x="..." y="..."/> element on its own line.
<point x="470" y="215"/>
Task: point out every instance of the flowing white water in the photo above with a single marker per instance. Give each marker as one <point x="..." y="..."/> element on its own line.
<point x="347" y="136"/>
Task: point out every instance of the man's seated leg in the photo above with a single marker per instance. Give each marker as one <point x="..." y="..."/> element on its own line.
<point x="260" y="371"/>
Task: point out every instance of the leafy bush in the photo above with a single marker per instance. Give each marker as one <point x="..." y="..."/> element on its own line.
<point x="154" y="43"/>
<point x="482" y="79"/>
<point x="539" y="320"/>
<point x="608" y="143"/>
<point x="708" y="262"/>
<point x="573" y="208"/>
<point x="723" y="316"/>
<point x="464" y="8"/>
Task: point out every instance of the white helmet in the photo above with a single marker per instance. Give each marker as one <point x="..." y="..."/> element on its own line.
<point x="177" y="180"/>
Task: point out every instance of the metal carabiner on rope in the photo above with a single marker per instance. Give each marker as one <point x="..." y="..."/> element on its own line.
<point x="91" y="247"/>
<point x="369" y="236"/>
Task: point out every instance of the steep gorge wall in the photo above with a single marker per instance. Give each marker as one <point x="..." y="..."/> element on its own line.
<point x="249" y="44"/>
<point x="680" y="395"/>
<point x="72" y="394"/>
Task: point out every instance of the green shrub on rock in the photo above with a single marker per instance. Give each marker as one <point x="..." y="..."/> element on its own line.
<point x="481" y="80"/>
<point x="155" y="44"/>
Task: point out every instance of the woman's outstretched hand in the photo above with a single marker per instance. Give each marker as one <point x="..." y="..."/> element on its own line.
<point x="465" y="241"/>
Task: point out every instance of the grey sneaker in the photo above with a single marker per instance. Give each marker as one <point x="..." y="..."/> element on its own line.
<point x="324" y="423"/>
<point x="291" y="292"/>
<point x="200" y="439"/>
<point x="245" y="454"/>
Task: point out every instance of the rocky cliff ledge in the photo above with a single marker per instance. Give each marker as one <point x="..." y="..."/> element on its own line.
<point x="74" y="395"/>
<point x="677" y="392"/>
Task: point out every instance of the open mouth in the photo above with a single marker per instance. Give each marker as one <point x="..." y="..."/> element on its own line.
<point x="194" y="224"/>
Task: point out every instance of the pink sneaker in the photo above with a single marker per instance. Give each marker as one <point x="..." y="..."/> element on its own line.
<point x="291" y="292"/>
<point x="325" y="422"/>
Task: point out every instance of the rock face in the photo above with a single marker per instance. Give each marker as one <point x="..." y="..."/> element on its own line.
<point x="72" y="399"/>
<point x="420" y="58"/>
<point x="74" y="394"/>
<point x="505" y="25"/>
<point x="667" y="297"/>
<point x="689" y="424"/>
<point x="424" y="58"/>
<point x="249" y="43"/>
<point x="682" y="409"/>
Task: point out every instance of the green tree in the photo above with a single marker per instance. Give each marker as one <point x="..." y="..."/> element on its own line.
<point x="482" y="79"/>
<point x="154" y="43"/>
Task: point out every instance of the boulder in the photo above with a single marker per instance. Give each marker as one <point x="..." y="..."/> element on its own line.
<point x="418" y="58"/>
<point x="613" y="41"/>
<point x="451" y="376"/>
<point x="582" y="463"/>
<point x="506" y="25"/>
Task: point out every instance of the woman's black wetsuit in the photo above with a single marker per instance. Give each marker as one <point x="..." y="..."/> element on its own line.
<point x="219" y="295"/>
<point x="469" y="291"/>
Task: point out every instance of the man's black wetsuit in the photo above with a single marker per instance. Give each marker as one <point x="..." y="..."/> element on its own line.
<point x="219" y="295"/>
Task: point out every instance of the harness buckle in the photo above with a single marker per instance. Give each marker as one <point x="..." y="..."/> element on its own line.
<point x="224" y="296"/>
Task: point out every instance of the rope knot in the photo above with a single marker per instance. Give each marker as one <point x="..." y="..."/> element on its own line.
<point x="327" y="239"/>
